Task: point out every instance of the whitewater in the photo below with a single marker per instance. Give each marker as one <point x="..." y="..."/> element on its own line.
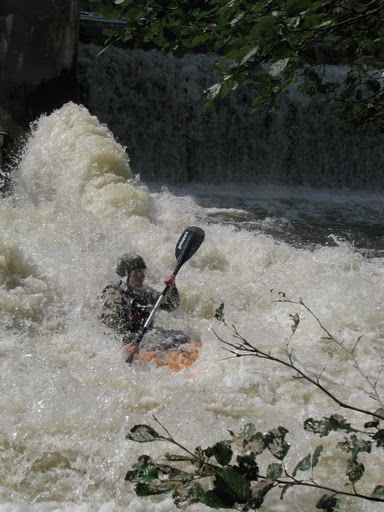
<point x="68" y="398"/>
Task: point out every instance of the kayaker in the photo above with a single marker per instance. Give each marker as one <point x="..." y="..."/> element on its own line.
<point x="127" y="304"/>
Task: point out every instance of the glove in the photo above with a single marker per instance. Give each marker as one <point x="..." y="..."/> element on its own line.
<point x="170" y="280"/>
<point x="131" y="348"/>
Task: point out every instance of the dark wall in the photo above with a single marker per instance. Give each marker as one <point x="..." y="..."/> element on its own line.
<point x="38" y="51"/>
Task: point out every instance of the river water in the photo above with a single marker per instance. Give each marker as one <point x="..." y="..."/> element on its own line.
<point x="67" y="396"/>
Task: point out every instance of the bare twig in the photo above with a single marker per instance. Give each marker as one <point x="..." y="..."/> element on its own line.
<point x="242" y="348"/>
<point x="340" y="343"/>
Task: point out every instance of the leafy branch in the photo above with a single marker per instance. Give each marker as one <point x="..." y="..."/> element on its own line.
<point x="271" y="45"/>
<point x="231" y="473"/>
<point x="227" y="474"/>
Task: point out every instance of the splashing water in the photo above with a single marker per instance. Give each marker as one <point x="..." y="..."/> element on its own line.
<point x="67" y="396"/>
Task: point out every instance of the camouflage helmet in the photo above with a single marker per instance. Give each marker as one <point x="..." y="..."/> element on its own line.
<point x="129" y="262"/>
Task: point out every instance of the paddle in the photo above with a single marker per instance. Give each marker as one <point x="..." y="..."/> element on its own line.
<point x="187" y="245"/>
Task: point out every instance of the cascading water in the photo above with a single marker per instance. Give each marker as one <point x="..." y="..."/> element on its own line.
<point x="286" y="172"/>
<point x="67" y="396"/>
<point x="153" y="104"/>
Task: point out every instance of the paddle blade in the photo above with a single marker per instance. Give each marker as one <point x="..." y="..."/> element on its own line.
<point x="187" y="245"/>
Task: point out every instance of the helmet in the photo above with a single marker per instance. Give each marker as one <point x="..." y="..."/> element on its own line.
<point x="129" y="262"/>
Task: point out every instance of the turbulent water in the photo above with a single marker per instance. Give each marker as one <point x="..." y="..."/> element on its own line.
<point x="68" y="398"/>
<point x="153" y="104"/>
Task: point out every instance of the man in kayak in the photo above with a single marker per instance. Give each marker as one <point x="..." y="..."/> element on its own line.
<point x="128" y="303"/>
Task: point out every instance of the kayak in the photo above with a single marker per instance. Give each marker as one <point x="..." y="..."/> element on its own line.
<point x="175" y="359"/>
<point x="173" y="349"/>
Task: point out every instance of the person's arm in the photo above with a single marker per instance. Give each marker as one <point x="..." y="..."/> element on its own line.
<point x="172" y="297"/>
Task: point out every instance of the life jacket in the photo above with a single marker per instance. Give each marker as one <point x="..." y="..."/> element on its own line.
<point x="139" y="315"/>
<point x="126" y="309"/>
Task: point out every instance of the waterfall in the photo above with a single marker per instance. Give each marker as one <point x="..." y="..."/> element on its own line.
<point x="154" y="106"/>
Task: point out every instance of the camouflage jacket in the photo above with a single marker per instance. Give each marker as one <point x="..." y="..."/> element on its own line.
<point x="125" y="308"/>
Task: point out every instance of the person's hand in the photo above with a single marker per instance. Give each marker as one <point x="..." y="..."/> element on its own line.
<point x="170" y="280"/>
<point x="131" y="348"/>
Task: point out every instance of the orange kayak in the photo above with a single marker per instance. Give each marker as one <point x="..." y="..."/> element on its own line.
<point x="176" y="359"/>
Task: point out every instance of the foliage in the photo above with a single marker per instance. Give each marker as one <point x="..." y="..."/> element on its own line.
<point x="240" y="471"/>
<point x="273" y="45"/>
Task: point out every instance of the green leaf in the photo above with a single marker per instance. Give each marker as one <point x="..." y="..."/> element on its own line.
<point x="264" y="28"/>
<point x="378" y="491"/>
<point x="210" y="95"/>
<point x="259" y="491"/>
<point x="303" y="465"/>
<point x="328" y="503"/>
<point x="245" y="435"/>
<point x="310" y="461"/>
<point x="355" y="446"/>
<point x="355" y="471"/>
<point x="274" y="471"/>
<point x="257" y="102"/>
<point x="248" y="466"/>
<point x="149" y="474"/>
<point x="249" y="439"/>
<point x="222" y="452"/>
<point x="285" y="489"/>
<point x="379" y="437"/>
<point x="249" y="54"/>
<point x="144" y="470"/>
<point x="256" y="444"/>
<point x="278" y="67"/>
<point x="372" y="424"/>
<point x="327" y="425"/>
<point x="324" y="24"/>
<point x="284" y="50"/>
<point x="276" y="442"/>
<point x="134" y="13"/>
<point x="199" y="40"/>
<point x="214" y="500"/>
<point x="296" y="6"/>
<point x="219" y="313"/>
<point x="187" y="494"/>
<point x="316" y="455"/>
<point x="143" y="434"/>
<point x="236" y="483"/>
